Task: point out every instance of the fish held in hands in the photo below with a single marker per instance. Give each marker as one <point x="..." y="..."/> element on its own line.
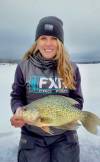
<point x="59" y="112"/>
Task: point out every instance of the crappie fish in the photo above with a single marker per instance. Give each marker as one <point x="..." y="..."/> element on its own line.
<point x="59" y="112"/>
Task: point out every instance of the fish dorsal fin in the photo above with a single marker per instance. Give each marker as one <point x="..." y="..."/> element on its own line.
<point x="69" y="99"/>
<point x="72" y="101"/>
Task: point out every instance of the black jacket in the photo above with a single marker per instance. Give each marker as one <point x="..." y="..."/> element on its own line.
<point x="36" y="78"/>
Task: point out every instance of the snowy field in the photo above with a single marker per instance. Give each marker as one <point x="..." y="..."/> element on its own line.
<point x="9" y="136"/>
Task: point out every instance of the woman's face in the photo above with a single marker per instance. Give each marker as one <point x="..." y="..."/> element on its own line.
<point x="47" y="45"/>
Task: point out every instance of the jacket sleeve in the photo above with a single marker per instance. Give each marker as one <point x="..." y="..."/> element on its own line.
<point x="77" y="93"/>
<point x="18" y="94"/>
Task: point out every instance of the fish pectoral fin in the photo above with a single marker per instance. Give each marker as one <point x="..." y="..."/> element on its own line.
<point x="41" y="123"/>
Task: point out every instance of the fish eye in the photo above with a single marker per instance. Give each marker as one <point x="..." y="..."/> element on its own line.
<point x="24" y="109"/>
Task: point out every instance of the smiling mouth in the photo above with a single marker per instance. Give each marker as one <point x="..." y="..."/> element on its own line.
<point x="48" y="50"/>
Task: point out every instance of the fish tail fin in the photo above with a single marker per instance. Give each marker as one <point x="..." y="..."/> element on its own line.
<point x="91" y="122"/>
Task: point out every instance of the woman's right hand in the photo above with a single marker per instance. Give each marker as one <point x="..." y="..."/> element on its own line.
<point x="17" y="120"/>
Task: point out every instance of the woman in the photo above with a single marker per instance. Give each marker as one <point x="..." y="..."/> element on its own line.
<point x="45" y="70"/>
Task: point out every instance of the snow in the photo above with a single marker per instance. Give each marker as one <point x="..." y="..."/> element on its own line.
<point x="9" y="136"/>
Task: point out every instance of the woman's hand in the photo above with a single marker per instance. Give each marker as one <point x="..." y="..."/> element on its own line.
<point x="17" y="120"/>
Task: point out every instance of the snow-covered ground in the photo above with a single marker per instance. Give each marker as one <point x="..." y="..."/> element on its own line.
<point x="9" y="136"/>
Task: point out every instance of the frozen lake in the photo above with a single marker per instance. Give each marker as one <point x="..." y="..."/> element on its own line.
<point x="9" y="136"/>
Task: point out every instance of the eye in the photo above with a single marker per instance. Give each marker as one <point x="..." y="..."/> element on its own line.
<point x="53" y="38"/>
<point x="42" y="38"/>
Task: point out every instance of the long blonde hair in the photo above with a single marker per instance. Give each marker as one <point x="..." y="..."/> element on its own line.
<point x="64" y="66"/>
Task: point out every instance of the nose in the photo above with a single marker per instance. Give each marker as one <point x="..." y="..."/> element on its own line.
<point x="48" y="42"/>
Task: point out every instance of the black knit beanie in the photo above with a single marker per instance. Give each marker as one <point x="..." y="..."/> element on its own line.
<point x="51" y="26"/>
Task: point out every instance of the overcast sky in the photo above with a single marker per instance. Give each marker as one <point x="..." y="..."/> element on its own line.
<point x="18" y="20"/>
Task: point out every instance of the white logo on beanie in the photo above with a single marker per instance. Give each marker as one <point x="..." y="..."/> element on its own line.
<point x="48" y="27"/>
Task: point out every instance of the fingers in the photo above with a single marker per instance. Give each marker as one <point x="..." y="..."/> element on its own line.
<point x="16" y="122"/>
<point x="17" y="119"/>
<point x="19" y="113"/>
